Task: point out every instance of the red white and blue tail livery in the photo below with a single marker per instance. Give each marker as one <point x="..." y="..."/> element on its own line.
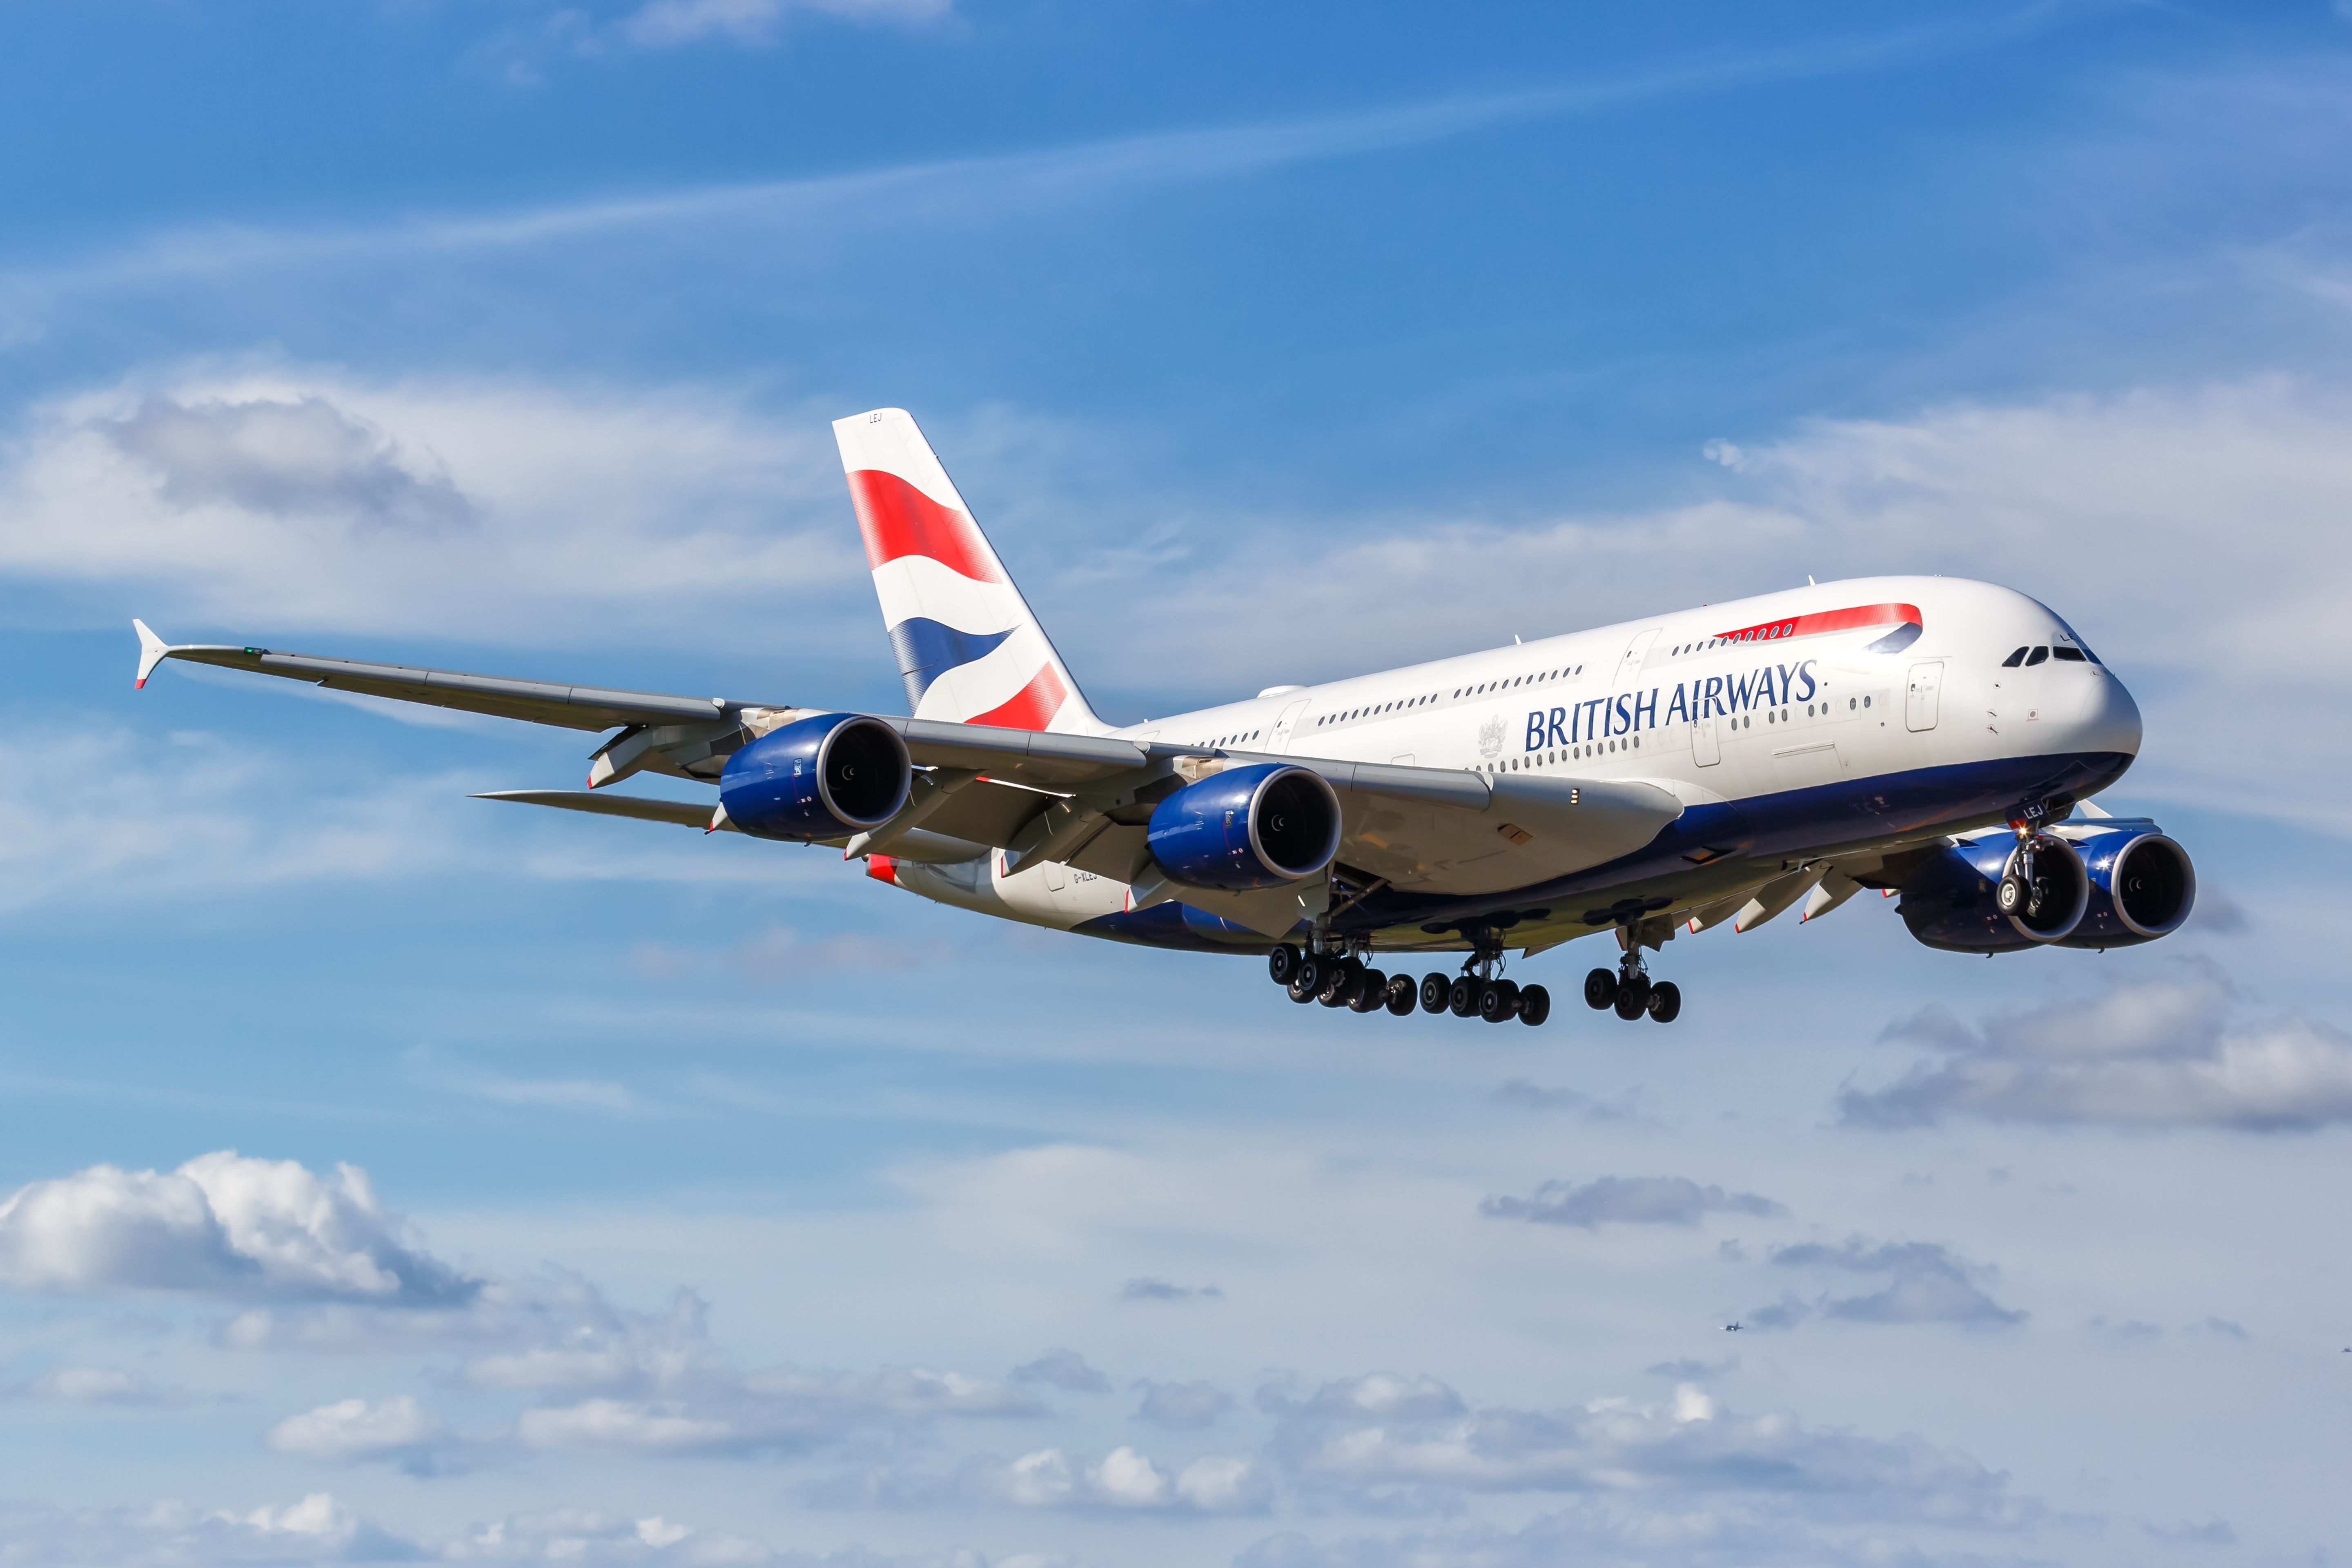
<point x="1931" y="739"/>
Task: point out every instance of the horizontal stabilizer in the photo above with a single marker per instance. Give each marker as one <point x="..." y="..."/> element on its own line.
<point x="685" y="813"/>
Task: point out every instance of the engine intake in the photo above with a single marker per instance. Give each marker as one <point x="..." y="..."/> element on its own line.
<point x="1257" y="826"/>
<point x="2142" y="888"/>
<point x="817" y="778"/>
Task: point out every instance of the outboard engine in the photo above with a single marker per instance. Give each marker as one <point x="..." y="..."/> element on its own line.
<point x="1257" y="826"/>
<point x="1953" y="900"/>
<point x="817" y="778"/>
<point x="2142" y="888"/>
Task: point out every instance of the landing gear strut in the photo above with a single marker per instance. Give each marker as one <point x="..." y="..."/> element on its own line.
<point x="1630" y="991"/>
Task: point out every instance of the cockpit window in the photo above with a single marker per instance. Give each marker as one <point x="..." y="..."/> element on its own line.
<point x="2072" y="653"/>
<point x="2038" y="655"/>
<point x="2013" y="661"/>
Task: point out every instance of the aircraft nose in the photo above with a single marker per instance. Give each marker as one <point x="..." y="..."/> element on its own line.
<point x="2110" y="719"/>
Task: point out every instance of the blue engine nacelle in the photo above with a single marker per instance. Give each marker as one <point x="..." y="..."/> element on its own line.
<point x="2142" y="888"/>
<point x="1952" y="899"/>
<point x="824" y="777"/>
<point x="1257" y="826"/>
<point x="2119" y="887"/>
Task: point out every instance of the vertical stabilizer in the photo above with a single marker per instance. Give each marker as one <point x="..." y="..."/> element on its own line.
<point x="969" y="646"/>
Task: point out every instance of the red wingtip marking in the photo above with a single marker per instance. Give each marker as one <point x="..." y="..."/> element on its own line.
<point x="899" y="520"/>
<point x="882" y="868"/>
<point x="140" y="684"/>
<point x="1031" y="707"/>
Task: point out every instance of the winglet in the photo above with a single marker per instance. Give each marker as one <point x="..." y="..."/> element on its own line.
<point x="153" y="650"/>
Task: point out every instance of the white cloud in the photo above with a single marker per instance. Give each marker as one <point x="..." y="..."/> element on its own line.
<point x="221" y="1225"/>
<point x="1367" y="1437"/>
<point x="2172" y="1050"/>
<point x="94" y="1385"/>
<point x="348" y="1430"/>
<point x="268" y="503"/>
<point x="1627" y="1200"/>
<point x="1124" y="1481"/>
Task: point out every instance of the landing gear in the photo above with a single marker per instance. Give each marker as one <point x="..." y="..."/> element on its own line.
<point x="1631" y="993"/>
<point x="1343" y="980"/>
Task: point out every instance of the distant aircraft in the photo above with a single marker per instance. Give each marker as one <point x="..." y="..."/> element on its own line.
<point x="1733" y="1328"/>
<point x="1927" y="736"/>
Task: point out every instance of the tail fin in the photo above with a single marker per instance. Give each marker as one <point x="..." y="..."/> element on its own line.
<point x="968" y="645"/>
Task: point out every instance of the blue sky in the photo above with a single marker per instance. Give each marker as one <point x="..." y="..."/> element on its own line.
<point x="390" y="1175"/>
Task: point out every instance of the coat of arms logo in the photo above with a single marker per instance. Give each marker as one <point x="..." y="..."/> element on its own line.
<point x="1490" y="738"/>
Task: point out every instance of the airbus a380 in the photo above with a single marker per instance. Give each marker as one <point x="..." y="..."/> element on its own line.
<point x="1926" y="737"/>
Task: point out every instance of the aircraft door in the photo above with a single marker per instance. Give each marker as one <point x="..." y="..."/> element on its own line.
<point x="1636" y="651"/>
<point x="1278" y="738"/>
<point x="1919" y="702"/>
<point x="1706" y="749"/>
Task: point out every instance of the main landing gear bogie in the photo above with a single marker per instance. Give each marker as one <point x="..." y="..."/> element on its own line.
<point x="1632" y="993"/>
<point x="1345" y="981"/>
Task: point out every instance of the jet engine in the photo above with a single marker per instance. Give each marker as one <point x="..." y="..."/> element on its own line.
<point x="2142" y="888"/>
<point x="822" y="777"/>
<point x="2115" y="887"/>
<point x="1952" y="899"/>
<point x="1257" y="827"/>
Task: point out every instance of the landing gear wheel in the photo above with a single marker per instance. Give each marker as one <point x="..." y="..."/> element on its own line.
<point x="1282" y="962"/>
<point x="2013" y="894"/>
<point x="1313" y="973"/>
<point x="1345" y="976"/>
<point x="1633" y="997"/>
<point x="1534" y="1005"/>
<point x="1600" y="990"/>
<point x="1371" y="992"/>
<point x="1498" y="1001"/>
<point x="1436" y="992"/>
<point x="1665" y="1001"/>
<point x="1462" y="996"/>
<point x="1299" y="990"/>
<point x="1402" y="995"/>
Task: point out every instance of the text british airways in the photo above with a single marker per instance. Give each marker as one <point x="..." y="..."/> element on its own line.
<point x="1767" y="685"/>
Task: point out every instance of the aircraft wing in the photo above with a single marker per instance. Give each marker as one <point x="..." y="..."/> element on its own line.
<point x="1084" y="800"/>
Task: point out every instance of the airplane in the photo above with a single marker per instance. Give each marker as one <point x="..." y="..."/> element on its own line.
<point x="1933" y="739"/>
<point x="1733" y="1328"/>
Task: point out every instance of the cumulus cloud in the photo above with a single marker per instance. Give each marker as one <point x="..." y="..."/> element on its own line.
<point x="398" y="1431"/>
<point x="2171" y="1050"/>
<point x="269" y="502"/>
<point x="1183" y="1406"/>
<point x="1063" y="1369"/>
<point x="1627" y="1200"/>
<point x="1123" y="1480"/>
<point x="286" y="457"/>
<point x="1925" y="1283"/>
<point x="1368" y="1436"/>
<point x="222" y="1225"/>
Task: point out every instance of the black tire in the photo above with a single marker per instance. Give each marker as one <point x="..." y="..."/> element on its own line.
<point x="1436" y="992"/>
<point x="1462" y="996"/>
<point x="1314" y="970"/>
<point x="1282" y="962"/>
<point x="1665" y="1001"/>
<point x="1402" y="995"/>
<point x="2012" y="896"/>
<point x="1534" y="1005"/>
<point x="1601" y="990"/>
<point x="1339" y="985"/>
<point x="1632" y="998"/>
<point x="1371" y="992"/>
<point x="1299" y="992"/>
<point x="1498" y="1001"/>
